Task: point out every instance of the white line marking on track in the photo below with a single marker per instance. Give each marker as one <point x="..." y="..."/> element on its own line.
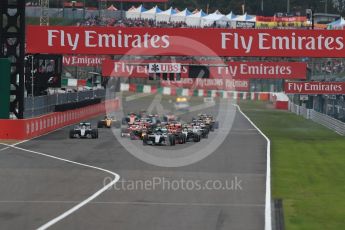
<point x="9" y="146"/>
<point x="134" y="203"/>
<point x="243" y="133"/>
<point x="268" y="217"/>
<point x="84" y="202"/>
<point x="3" y="149"/>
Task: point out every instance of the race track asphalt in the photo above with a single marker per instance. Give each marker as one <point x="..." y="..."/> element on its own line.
<point x="35" y="189"/>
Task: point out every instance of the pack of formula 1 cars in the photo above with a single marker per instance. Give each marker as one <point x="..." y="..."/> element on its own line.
<point x="152" y="129"/>
<point x="168" y="130"/>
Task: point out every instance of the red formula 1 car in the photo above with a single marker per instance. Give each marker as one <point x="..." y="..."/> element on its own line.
<point x="130" y="119"/>
<point x="135" y="131"/>
<point x="175" y="128"/>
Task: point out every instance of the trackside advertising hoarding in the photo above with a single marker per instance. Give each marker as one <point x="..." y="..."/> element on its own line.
<point x="230" y="70"/>
<point x="83" y="60"/>
<point x="209" y="84"/>
<point x="185" y="41"/>
<point x="314" y="87"/>
<point x="261" y="70"/>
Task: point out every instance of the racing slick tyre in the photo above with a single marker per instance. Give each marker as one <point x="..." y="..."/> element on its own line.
<point x="173" y="140"/>
<point x="71" y="134"/>
<point x="100" y="124"/>
<point x="181" y="139"/>
<point x="197" y="138"/>
<point x="94" y="133"/>
<point x="184" y="138"/>
<point x="132" y="136"/>
<point x="145" y="138"/>
<point x="216" y="125"/>
<point x="212" y="127"/>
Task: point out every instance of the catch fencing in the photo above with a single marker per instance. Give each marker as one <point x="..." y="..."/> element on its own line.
<point x="38" y="106"/>
<point x="73" y="14"/>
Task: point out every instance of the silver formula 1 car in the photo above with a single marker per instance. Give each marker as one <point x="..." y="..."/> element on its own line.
<point x="83" y="130"/>
<point x="160" y="136"/>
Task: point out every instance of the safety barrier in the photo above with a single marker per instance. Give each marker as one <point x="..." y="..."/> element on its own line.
<point x="328" y="121"/>
<point x="319" y="118"/>
<point x="33" y="127"/>
<point x="184" y="92"/>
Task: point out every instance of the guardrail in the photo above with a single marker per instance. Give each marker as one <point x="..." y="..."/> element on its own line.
<point x="328" y="121"/>
<point x="319" y="118"/>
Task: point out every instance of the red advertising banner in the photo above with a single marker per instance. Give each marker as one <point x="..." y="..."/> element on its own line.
<point x="115" y="68"/>
<point x="83" y="60"/>
<point x="185" y="41"/>
<point x="230" y="70"/>
<point x="314" y="87"/>
<point x="209" y="84"/>
<point x="261" y="70"/>
<point x="280" y="19"/>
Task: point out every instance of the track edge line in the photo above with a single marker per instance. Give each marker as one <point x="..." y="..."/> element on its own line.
<point x="268" y="214"/>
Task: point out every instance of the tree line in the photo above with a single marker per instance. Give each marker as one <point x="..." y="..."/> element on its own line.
<point x="257" y="7"/>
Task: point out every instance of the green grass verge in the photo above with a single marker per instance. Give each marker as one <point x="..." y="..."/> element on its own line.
<point x="308" y="168"/>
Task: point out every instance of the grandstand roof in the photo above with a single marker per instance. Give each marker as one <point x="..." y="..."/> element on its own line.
<point x="338" y="23"/>
<point x="231" y="16"/>
<point x="112" y="8"/>
<point x="180" y="16"/>
<point x="199" y="14"/>
<point x="245" y="17"/>
<point x="164" y="16"/>
<point x="151" y="14"/>
<point x="184" y="13"/>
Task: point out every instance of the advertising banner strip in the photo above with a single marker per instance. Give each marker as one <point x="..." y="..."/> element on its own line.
<point x="230" y="70"/>
<point x="261" y="70"/>
<point x="209" y="84"/>
<point x="83" y="60"/>
<point x="314" y="87"/>
<point x="185" y="41"/>
<point x="281" y="19"/>
<point x="22" y="129"/>
<point x="262" y="96"/>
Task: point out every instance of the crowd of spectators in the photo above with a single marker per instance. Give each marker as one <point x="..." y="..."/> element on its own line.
<point x="125" y="22"/>
<point x="329" y="67"/>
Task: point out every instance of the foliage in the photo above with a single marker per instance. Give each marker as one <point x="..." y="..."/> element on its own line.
<point x="225" y="6"/>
